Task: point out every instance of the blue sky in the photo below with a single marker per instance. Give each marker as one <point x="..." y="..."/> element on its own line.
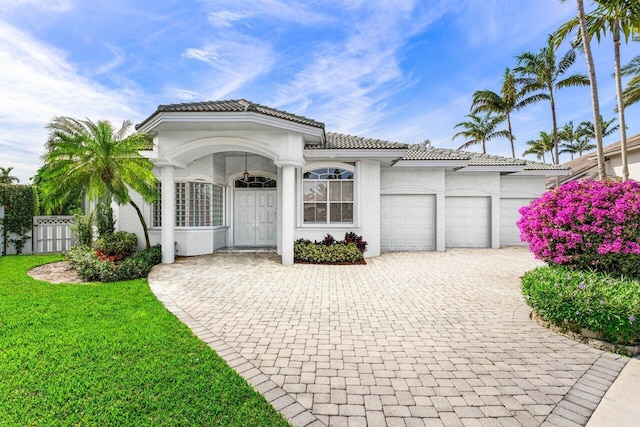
<point x="393" y="69"/>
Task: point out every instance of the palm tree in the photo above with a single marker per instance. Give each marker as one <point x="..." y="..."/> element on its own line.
<point x="541" y="73"/>
<point x="540" y="146"/>
<point x="616" y="17"/>
<point x="607" y="128"/>
<point x="631" y="93"/>
<point x="570" y="137"/>
<point x="6" y="177"/>
<point x="506" y="102"/>
<point x="97" y="161"/>
<point x="584" y="144"/>
<point x="480" y="129"/>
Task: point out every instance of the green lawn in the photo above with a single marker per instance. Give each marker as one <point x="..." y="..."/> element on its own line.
<point x="109" y="354"/>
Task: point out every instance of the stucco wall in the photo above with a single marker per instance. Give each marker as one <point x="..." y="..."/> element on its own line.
<point x="472" y="183"/>
<point x="614" y="164"/>
<point x="235" y="164"/>
<point x="411" y="180"/>
<point x="127" y="219"/>
<point x="522" y="186"/>
<point x="367" y="211"/>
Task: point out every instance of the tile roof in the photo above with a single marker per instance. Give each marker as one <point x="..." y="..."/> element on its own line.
<point x="231" y="106"/>
<point x="533" y="166"/>
<point x="339" y="141"/>
<point x="421" y="152"/>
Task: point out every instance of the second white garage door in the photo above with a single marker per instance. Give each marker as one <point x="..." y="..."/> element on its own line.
<point x="509" y="232"/>
<point x="407" y="222"/>
<point x="468" y="222"/>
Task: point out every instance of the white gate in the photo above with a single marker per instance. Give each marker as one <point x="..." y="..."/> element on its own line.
<point x="52" y="234"/>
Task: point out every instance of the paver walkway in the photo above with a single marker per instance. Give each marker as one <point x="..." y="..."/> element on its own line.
<point x="408" y="339"/>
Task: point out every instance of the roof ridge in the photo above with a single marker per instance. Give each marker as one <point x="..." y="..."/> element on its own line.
<point x="231" y="106"/>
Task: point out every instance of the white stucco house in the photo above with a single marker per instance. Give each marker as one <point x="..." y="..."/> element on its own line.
<point x="238" y="174"/>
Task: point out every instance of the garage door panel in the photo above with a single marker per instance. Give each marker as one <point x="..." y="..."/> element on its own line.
<point x="468" y="222"/>
<point x="407" y="222"/>
<point x="509" y="215"/>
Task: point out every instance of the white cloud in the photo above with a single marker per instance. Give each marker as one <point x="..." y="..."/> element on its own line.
<point x="46" y="6"/>
<point x="225" y="18"/>
<point x="225" y="13"/>
<point x="351" y="80"/>
<point x="118" y="59"/>
<point x="235" y="62"/>
<point x="37" y="83"/>
<point x="509" y="23"/>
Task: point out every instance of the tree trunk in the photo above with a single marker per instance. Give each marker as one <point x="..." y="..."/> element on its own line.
<point x="555" y="156"/>
<point x="513" y="149"/>
<point x="623" y="130"/>
<point x="484" y="148"/>
<point x="143" y="222"/>
<point x="597" y="124"/>
<point x="543" y="159"/>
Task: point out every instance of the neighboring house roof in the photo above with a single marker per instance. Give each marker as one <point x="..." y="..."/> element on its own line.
<point x="231" y="106"/>
<point x="586" y="166"/>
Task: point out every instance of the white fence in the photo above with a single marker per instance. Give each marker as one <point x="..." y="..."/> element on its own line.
<point x="52" y="234"/>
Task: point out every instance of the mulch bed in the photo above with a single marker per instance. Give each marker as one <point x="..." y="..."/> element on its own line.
<point x="56" y="272"/>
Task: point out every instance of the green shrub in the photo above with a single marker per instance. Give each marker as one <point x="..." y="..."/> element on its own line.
<point x="305" y="251"/>
<point x="87" y="263"/>
<point x="116" y="246"/>
<point x="82" y="228"/>
<point x="91" y="267"/>
<point x="105" y="223"/>
<point x="20" y="205"/>
<point x="595" y="301"/>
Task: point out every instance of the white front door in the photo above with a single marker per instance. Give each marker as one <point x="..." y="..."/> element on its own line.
<point x="254" y="217"/>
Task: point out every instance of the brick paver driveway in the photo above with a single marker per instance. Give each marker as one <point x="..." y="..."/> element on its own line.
<point x="408" y="339"/>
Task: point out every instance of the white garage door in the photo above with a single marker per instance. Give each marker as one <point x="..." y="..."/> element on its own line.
<point x="468" y="222"/>
<point x="509" y="232"/>
<point x="407" y="222"/>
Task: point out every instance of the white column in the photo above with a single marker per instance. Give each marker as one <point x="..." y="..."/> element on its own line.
<point x="440" y="222"/>
<point x="288" y="213"/>
<point x="168" y="214"/>
<point x="279" y="212"/>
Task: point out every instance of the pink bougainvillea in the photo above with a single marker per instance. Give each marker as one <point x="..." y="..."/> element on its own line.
<point x="586" y="224"/>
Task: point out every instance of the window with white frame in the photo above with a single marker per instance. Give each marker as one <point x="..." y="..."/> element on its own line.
<point x="327" y="195"/>
<point x="198" y="204"/>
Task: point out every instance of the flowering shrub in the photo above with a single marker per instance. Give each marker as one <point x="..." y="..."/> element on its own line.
<point x="586" y="224"/>
<point x="330" y="250"/>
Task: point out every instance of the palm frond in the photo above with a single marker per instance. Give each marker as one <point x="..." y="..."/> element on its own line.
<point x="574" y="80"/>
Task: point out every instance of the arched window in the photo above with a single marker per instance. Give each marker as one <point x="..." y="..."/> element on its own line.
<point x="255" y="182"/>
<point x="328" y="196"/>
